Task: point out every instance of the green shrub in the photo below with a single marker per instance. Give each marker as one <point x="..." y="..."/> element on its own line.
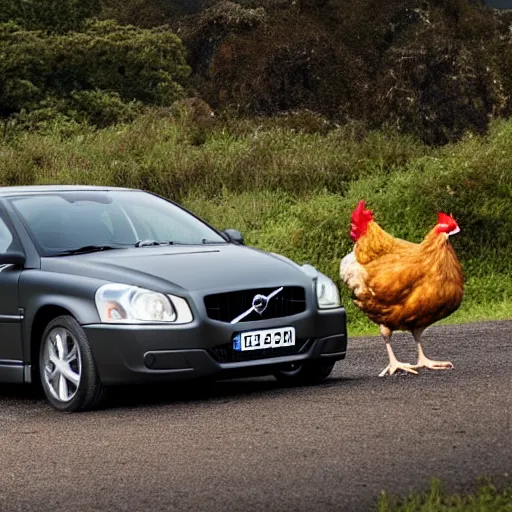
<point x="102" y="108"/>
<point x="51" y="15"/>
<point x="100" y="75"/>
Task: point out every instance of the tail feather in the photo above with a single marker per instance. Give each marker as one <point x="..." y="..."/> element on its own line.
<point x="359" y="221"/>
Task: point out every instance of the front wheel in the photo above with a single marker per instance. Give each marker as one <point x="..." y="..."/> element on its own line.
<point x="66" y="367"/>
<point x="307" y="373"/>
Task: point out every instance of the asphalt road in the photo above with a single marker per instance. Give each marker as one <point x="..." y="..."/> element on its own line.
<point x="251" y="446"/>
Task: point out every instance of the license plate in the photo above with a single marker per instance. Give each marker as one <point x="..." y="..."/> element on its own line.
<point x="268" y="338"/>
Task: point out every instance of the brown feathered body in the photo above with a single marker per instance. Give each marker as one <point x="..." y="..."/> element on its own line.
<point x="403" y="285"/>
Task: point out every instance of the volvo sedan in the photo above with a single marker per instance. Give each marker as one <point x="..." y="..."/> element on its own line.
<point x="110" y="286"/>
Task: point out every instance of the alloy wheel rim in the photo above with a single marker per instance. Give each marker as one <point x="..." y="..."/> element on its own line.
<point x="62" y="364"/>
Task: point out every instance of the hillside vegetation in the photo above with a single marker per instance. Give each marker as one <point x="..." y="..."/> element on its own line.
<point x="292" y="192"/>
<point x="434" y="69"/>
<point x="318" y="104"/>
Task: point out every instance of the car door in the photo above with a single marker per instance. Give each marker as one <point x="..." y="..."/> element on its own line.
<point x="10" y="318"/>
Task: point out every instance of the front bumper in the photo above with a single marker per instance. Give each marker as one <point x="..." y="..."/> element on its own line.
<point x="139" y="353"/>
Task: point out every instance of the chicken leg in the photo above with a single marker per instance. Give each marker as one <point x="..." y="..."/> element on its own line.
<point x="423" y="360"/>
<point x="394" y="364"/>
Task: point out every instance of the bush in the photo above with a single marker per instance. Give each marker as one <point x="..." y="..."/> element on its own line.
<point x="48" y="15"/>
<point x="100" y="75"/>
<point x="102" y="108"/>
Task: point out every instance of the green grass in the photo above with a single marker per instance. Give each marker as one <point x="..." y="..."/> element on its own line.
<point x="486" y="498"/>
<point x="314" y="229"/>
<point x="291" y="189"/>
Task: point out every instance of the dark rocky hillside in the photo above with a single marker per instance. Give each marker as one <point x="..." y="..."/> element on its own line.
<point x="432" y="68"/>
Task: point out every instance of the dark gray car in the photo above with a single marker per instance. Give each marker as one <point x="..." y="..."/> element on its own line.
<point x="108" y="286"/>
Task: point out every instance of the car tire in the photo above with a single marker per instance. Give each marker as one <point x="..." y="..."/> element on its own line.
<point x="307" y="373"/>
<point x="66" y="367"/>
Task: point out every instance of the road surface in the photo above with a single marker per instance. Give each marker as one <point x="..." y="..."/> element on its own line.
<point x="250" y="445"/>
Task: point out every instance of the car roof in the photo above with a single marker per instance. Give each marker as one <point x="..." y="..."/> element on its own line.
<point x="34" y="189"/>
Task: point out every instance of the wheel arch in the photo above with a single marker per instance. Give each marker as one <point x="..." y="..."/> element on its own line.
<point x="80" y="367"/>
<point x="44" y="315"/>
<point x="41" y="314"/>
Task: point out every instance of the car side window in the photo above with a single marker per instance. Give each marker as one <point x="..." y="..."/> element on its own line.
<point x="6" y="238"/>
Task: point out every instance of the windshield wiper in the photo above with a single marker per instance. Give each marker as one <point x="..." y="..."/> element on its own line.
<point x="149" y="243"/>
<point x="85" y="249"/>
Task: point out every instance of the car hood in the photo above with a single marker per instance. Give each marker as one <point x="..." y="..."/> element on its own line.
<point x="209" y="267"/>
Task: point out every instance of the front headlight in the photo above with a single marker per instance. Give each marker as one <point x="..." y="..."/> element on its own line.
<point x="327" y="293"/>
<point x="120" y="303"/>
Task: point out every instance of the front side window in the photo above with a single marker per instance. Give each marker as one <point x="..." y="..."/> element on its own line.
<point x="6" y="238"/>
<point x="65" y="221"/>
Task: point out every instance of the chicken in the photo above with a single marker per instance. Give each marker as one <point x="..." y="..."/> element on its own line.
<point x="401" y="285"/>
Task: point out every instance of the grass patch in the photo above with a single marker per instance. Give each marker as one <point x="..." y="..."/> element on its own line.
<point x="314" y="229"/>
<point x="292" y="191"/>
<point x="486" y="498"/>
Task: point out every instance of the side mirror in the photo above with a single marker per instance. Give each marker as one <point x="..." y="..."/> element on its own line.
<point x="16" y="258"/>
<point x="234" y="236"/>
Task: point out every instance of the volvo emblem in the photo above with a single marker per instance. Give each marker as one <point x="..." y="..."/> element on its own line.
<point x="259" y="304"/>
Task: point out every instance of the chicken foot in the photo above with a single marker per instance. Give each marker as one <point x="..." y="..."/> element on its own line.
<point x="394" y="364"/>
<point x="423" y="360"/>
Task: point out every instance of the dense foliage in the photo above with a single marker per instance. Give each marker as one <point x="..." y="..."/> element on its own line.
<point x="101" y="75"/>
<point x="50" y="15"/>
<point x="431" y="69"/>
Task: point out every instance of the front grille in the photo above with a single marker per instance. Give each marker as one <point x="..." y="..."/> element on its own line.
<point x="225" y="307"/>
<point x="226" y="354"/>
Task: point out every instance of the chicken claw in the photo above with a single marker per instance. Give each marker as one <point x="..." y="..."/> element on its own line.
<point x="425" y="362"/>
<point x="397" y="365"/>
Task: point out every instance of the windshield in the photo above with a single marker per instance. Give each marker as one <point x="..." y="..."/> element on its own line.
<point x="60" y="222"/>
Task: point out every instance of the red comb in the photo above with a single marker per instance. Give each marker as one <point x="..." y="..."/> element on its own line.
<point x="442" y="218"/>
<point x="360" y="220"/>
<point x="446" y="224"/>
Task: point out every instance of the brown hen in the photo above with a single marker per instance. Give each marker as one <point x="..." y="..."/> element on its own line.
<point x="401" y="285"/>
